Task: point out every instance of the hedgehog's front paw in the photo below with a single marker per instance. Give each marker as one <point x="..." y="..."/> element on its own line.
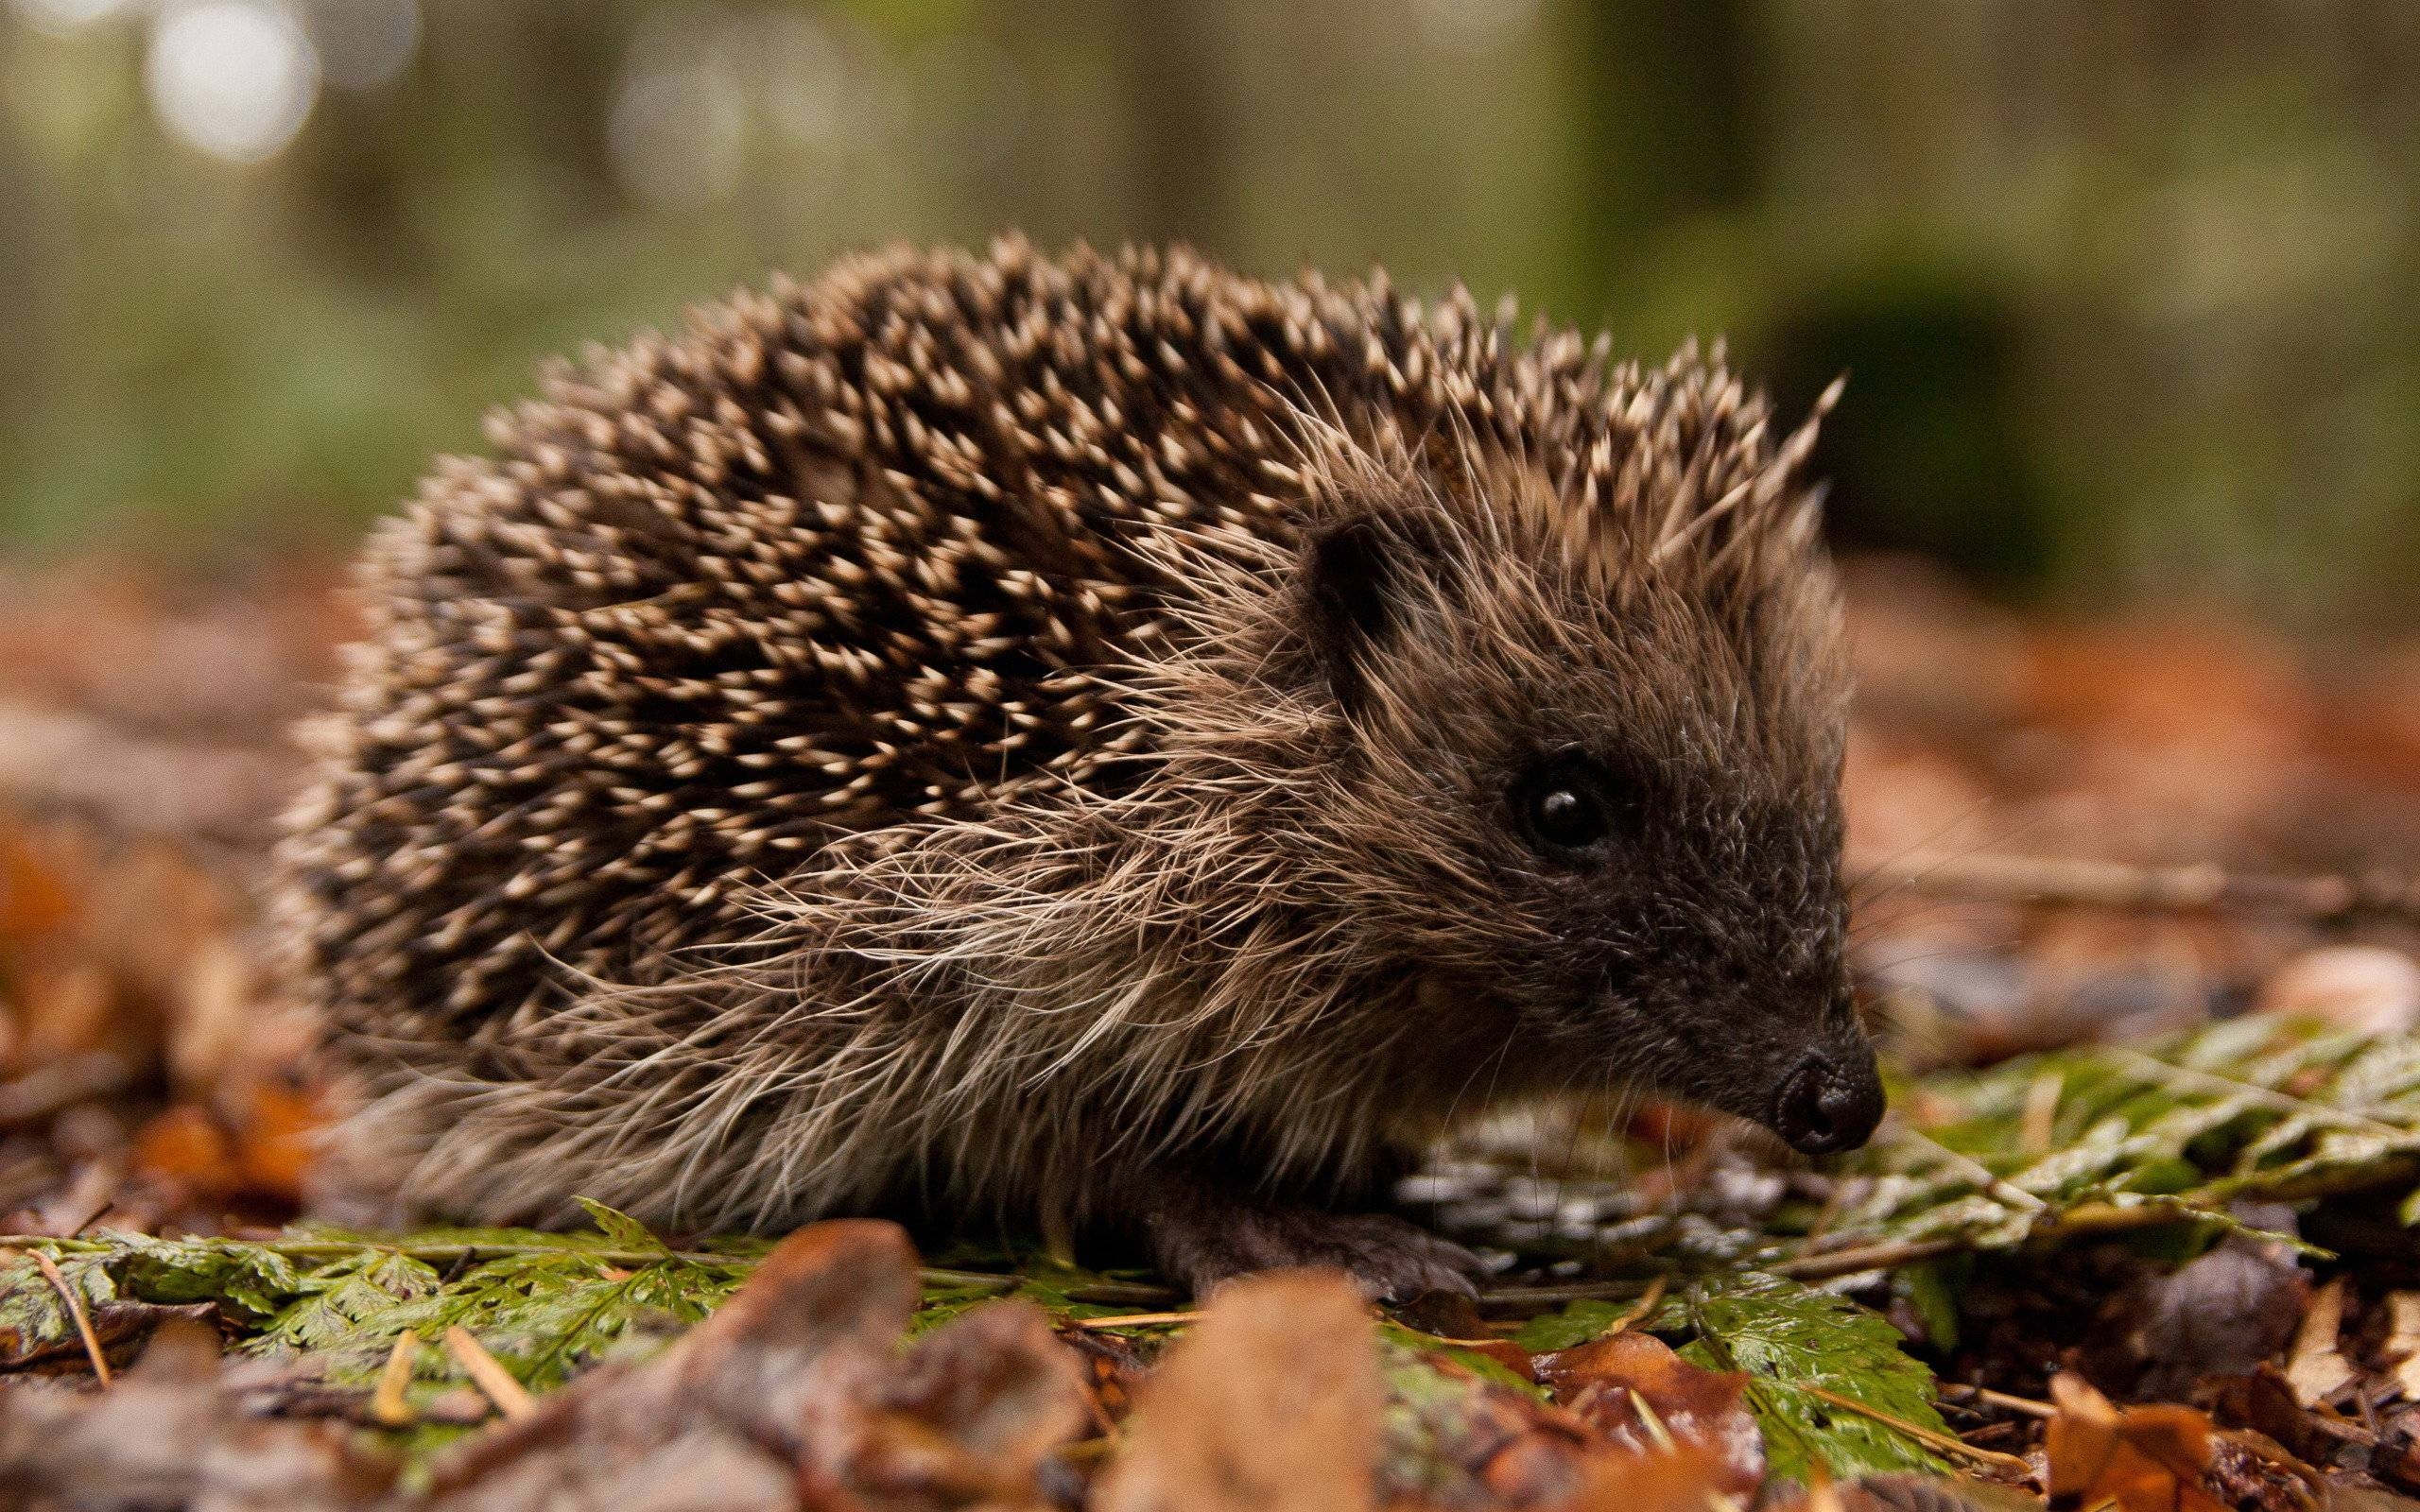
<point x="1201" y="1245"/>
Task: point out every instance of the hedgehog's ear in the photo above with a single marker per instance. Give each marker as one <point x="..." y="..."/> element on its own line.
<point x="1355" y="575"/>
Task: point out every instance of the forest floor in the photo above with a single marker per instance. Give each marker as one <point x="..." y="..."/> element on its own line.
<point x="2138" y="928"/>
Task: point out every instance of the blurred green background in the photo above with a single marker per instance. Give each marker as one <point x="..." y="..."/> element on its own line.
<point x="2130" y="291"/>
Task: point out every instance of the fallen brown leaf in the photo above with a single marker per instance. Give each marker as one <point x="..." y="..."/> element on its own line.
<point x="1270" y="1405"/>
<point x="276" y="1140"/>
<point x="185" y="1145"/>
<point x="118" y="1327"/>
<point x="2366" y="989"/>
<point x="168" y="1435"/>
<point x="2141" y="1459"/>
<point x="795" y="1390"/>
<point x="2401" y="1347"/>
<point x="974" y="1412"/>
<point x="2317" y="1367"/>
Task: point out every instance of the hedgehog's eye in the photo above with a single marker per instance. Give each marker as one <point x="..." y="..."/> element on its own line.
<point x="1563" y="805"/>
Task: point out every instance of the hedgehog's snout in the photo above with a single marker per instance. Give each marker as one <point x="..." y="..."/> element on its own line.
<point x="1829" y="1101"/>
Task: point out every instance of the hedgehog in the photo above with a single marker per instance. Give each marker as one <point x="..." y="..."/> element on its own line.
<point x="1098" y="740"/>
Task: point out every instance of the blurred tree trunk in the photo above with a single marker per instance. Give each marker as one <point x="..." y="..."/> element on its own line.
<point x="1665" y="125"/>
<point x="350" y="173"/>
<point x="530" y="74"/>
<point x="534" y="78"/>
<point x="31" y="267"/>
<point x="562" y="65"/>
<point x="1166" y="57"/>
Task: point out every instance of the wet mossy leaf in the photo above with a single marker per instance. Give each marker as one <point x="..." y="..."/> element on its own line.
<point x="2172" y="1131"/>
<point x="1801" y="1348"/>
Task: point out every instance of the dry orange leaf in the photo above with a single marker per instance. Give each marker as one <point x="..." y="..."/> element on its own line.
<point x="279" y="1138"/>
<point x="267" y="1155"/>
<point x="184" y="1145"/>
<point x="1636" y="1391"/>
<point x="2139" y="1459"/>
<point x="1687" y="1479"/>
<point x="34" y="898"/>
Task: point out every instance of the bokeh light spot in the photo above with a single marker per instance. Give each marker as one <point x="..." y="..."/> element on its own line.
<point x="234" y="78"/>
<point x="65" y="15"/>
<point x="679" y="131"/>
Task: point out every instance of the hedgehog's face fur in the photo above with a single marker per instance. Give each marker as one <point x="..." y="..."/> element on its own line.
<point x="1597" y="809"/>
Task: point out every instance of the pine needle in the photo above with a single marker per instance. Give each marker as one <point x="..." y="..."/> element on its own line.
<point x="1640" y="1309"/>
<point x="74" y="1306"/>
<point x="1976" y="1171"/>
<point x="2167" y="1070"/>
<point x="387" y="1404"/>
<point x="495" y="1381"/>
<point x="1655" y="1428"/>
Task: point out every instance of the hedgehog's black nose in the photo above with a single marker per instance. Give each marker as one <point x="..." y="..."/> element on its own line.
<point x="1824" y="1107"/>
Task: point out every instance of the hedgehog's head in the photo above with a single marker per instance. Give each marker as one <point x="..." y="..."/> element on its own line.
<point x="1588" y="725"/>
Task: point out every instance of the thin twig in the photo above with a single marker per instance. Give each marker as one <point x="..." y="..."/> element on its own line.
<point x="495" y="1381"/>
<point x="1829" y="1213"/>
<point x="74" y="1306"/>
<point x="2087" y="1218"/>
<point x="86" y="1199"/>
<point x="2073" y="882"/>
<point x="1655" y="1428"/>
<point x="2041" y="1121"/>
<point x="1557" y="1296"/>
<point x="56" y="1084"/>
<point x="1890" y="1255"/>
<point x="1973" y="1170"/>
<point x="1947" y="1443"/>
<point x="1136" y="1321"/>
<point x="1640" y="1309"/>
<point x="1623" y="1323"/>
<point x="447" y="1252"/>
<point x="2026" y="1405"/>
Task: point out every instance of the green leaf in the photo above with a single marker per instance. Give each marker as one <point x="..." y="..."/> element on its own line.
<point x="348" y="1302"/>
<point x="623" y="1229"/>
<point x="941" y="1302"/>
<point x="1047" y="1284"/>
<point x="251" y="1284"/>
<point x="545" y="1304"/>
<point x="1575" y="1324"/>
<point x="545" y="1315"/>
<point x="1485" y="1367"/>
<point x="1436" y="1424"/>
<point x="1932" y="1290"/>
<point x="1794" y="1342"/>
<point x="32" y="1318"/>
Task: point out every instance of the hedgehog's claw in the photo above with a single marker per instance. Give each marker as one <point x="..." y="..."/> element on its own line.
<point x="1203" y="1247"/>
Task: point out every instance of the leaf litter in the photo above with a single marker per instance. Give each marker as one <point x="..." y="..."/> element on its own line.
<point x="2138" y="1235"/>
